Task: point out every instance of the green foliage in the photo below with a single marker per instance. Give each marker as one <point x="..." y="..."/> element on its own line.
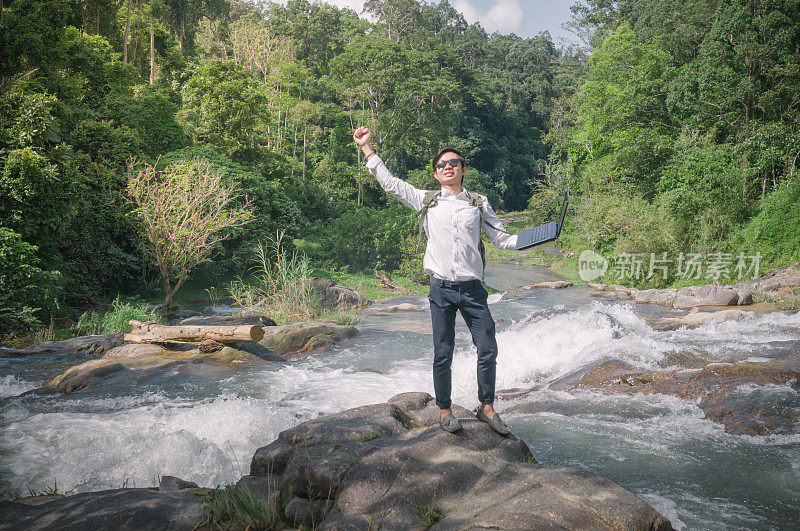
<point x="774" y="231"/>
<point x="224" y="107"/>
<point x="116" y="318"/>
<point x="26" y="291"/>
<point x="701" y="193"/>
<point x="620" y="223"/>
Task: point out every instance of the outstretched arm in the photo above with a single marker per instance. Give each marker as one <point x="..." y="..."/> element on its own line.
<point x="407" y="194"/>
<point x="501" y="240"/>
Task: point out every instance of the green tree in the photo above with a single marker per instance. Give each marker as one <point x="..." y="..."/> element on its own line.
<point x="224" y="107"/>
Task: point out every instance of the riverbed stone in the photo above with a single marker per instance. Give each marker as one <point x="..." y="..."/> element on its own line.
<point x="380" y="466"/>
<point x="90" y="346"/>
<point x="120" y="509"/>
<point x="699" y="318"/>
<point x="295" y="339"/>
<point x="141" y="357"/>
<point x="717" y="388"/>
<point x="662" y="297"/>
<point x="555" y="284"/>
<point x="175" y="483"/>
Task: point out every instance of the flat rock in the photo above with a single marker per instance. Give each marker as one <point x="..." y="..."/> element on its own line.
<point x="698" y="318"/>
<point x="121" y="509"/>
<point x="88" y="345"/>
<point x="144" y="357"/>
<point x="293" y="339"/>
<point x="717" y="388"/>
<point x="556" y="284"/>
<point x="710" y="295"/>
<point x="662" y="297"/>
<point x="377" y="466"/>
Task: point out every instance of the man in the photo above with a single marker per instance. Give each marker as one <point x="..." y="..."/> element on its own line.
<point x="453" y="260"/>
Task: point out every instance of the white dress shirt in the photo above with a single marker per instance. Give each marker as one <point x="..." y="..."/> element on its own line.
<point x="452" y="226"/>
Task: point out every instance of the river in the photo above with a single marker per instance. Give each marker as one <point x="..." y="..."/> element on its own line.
<point x="205" y="426"/>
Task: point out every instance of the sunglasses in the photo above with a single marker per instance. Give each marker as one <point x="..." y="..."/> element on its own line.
<point x="452" y="162"/>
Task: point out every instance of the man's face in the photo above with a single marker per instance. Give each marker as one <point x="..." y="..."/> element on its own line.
<point x="449" y="175"/>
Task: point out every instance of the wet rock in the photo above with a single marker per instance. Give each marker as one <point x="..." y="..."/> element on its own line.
<point x="709" y="295"/>
<point x="291" y="340"/>
<point x="378" y="465"/>
<point x="716" y="388"/>
<point x="121" y="509"/>
<point x="557" y="284"/>
<point x="395" y="308"/>
<point x="229" y="320"/>
<point x="143" y="357"/>
<point x="698" y="318"/>
<point x="663" y="297"/>
<point x="173" y="483"/>
<point x="775" y="279"/>
<point x="87" y="345"/>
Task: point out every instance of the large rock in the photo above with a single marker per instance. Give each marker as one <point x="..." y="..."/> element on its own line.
<point x="337" y="297"/>
<point x="121" y="509"/>
<point x="698" y="318"/>
<point x="297" y="338"/>
<point x="384" y="465"/>
<point x="145" y="357"/>
<point x="717" y="388"/>
<point x="710" y="295"/>
<point x="87" y="345"/>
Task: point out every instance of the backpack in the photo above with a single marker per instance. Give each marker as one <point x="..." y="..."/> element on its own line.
<point x="475" y="200"/>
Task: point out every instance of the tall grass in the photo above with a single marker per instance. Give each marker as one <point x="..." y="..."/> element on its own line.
<point x="234" y="507"/>
<point x="116" y="319"/>
<point x="280" y="287"/>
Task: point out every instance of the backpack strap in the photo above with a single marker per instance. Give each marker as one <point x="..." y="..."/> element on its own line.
<point x="428" y="201"/>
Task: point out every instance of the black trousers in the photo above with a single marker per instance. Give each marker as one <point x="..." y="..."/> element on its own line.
<point x="469" y="298"/>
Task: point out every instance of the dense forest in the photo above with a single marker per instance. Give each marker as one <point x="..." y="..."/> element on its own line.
<point x="675" y="125"/>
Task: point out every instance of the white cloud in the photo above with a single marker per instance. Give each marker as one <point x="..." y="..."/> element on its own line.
<point x="504" y="16"/>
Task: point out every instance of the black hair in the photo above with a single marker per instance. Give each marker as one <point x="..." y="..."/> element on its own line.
<point x="444" y="150"/>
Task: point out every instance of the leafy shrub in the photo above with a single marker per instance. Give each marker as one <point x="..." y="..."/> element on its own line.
<point x="27" y="293"/>
<point x="774" y="231"/>
<point x="621" y="223"/>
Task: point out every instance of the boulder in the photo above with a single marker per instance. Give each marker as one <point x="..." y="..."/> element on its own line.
<point x="173" y="483"/>
<point x="395" y="308"/>
<point x="697" y="318"/>
<point x="88" y="345"/>
<point x="293" y="339"/>
<point x="710" y="295"/>
<point x="336" y="297"/>
<point x="144" y="357"/>
<point x="390" y="466"/>
<point x="716" y="388"/>
<point x="775" y="279"/>
<point x="662" y="297"/>
<point x="120" y="509"/>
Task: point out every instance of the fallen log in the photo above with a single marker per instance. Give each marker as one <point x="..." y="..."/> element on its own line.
<point x="152" y="332"/>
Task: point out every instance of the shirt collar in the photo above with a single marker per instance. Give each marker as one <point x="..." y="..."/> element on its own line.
<point x="461" y="195"/>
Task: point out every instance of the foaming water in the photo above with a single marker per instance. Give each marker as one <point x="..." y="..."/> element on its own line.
<point x="205" y="428"/>
<point x="10" y="385"/>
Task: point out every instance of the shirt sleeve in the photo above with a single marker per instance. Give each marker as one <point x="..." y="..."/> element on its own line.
<point x="408" y="195"/>
<point x="501" y="240"/>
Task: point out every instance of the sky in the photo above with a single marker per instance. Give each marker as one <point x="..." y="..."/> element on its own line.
<point x="526" y="18"/>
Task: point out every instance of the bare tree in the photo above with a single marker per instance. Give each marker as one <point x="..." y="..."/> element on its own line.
<point x="185" y="211"/>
